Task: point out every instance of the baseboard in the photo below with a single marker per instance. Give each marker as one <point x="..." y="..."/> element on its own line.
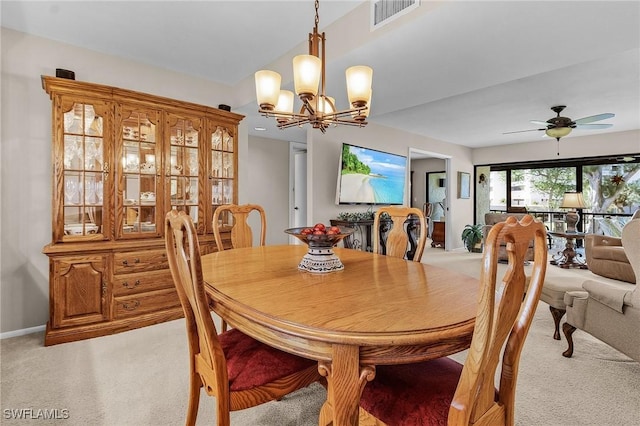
<point x="22" y="332"/>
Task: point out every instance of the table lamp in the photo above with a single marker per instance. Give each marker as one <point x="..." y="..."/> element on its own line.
<point x="572" y="200"/>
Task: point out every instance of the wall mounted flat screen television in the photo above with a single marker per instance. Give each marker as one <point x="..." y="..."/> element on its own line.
<point x="369" y="176"/>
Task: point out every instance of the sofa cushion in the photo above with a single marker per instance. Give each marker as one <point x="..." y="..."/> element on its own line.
<point x="609" y="253"/>
<point x="553" y="291"/>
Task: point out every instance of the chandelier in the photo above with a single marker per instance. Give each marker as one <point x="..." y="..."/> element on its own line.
<point x="318" y="109"/>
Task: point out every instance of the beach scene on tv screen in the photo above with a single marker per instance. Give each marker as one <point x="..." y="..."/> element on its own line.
<point x="371" y="177"/>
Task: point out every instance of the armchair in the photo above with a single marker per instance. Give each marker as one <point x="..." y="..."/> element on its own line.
<point x="606" y="256"/>
<point x="609" y="311"/>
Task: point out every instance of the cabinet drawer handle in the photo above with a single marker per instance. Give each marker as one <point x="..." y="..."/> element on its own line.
<point x="130" y="306"/>
<point x="126" y="262"/>
<point x="129" y="286"/>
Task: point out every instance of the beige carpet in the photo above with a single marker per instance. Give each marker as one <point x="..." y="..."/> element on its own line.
<point x="140" y="377"/>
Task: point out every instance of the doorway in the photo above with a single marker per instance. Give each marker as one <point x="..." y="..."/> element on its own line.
<point x="436" y="190"/>
<point x="297" y="186"/>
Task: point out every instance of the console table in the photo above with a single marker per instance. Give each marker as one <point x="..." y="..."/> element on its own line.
<point x="363" y="230"/>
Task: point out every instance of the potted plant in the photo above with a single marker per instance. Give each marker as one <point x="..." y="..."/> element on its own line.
<point x="472" y="236"/>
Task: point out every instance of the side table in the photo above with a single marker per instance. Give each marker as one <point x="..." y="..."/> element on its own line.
<point x="437" y="235"/>
<point x="568" y="258"/>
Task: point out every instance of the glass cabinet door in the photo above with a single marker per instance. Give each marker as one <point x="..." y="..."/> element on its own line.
<point x="182" y="167"/>
<point x="139" y="183"/>
<point x="84" y="170"/>
<point x="222" y="168"/>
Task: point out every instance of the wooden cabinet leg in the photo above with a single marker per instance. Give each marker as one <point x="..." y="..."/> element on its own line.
<point x="557" y="315"/>
<point x="568" y="330"/>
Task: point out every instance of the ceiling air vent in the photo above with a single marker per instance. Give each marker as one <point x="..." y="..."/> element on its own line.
<point x="385" y="11"/>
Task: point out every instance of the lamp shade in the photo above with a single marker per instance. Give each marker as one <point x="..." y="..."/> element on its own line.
<point x="363" y="114"/>
<point x="327" y="105"/>
<point x="306" y="75"/>
<point x="267" y="88"/>
<point x="285" y="102"/>
<point x="573" y="200"/>
<point x="558" y="132"/>
<point x="359" y="84"/>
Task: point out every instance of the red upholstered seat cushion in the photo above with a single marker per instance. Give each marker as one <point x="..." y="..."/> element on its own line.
<point x="251" y="363"/>
<point x="412" y="394"/>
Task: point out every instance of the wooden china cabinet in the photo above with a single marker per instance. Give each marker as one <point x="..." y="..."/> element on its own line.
<point x="121" y="160"/>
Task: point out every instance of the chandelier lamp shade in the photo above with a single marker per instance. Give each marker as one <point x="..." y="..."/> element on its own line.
<point x="309" y="78"/>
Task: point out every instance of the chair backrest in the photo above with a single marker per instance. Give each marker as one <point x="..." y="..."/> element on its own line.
<point x="183" y="253"/>
<point x="398" y="240"/>
<point x="241" y="235"/>
<point x="502" y="317"/>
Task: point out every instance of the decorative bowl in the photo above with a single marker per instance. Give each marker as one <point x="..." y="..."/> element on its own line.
<point x="320" y="257"/>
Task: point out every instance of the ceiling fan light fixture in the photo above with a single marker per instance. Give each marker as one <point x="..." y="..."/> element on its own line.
<point x="558" y="132"/>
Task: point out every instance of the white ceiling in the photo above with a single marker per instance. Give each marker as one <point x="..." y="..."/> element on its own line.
<point x="464" y="72"/>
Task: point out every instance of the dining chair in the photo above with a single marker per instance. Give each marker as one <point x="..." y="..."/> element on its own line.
<point x="239" y="371"/>
<point x="241" y="234"/>
<point x="443" y="391"/>
<point x="400" y="241"/>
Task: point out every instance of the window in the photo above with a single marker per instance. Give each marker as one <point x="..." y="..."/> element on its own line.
<point x="610" y="186"/>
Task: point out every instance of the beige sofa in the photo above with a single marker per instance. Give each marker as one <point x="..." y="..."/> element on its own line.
<point x="609" y="311"/>
<point x="606" y="256"/>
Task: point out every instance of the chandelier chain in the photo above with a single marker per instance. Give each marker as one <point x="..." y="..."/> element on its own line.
<point x="317" y="18"/>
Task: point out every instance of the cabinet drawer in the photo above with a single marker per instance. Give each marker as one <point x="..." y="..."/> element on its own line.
<point x="140" y="261"/>
<point x="142" y="281"/>
<point x="145" y="303"/>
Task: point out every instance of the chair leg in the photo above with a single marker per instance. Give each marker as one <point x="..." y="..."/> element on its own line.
<point x="223" y="326"/>
<point x="568" y="330"/>
<point x="194" y="398"/>
<point x="557" y="315"/>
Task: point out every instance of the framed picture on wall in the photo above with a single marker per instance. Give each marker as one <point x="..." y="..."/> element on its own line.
<point x="464" y="185"/>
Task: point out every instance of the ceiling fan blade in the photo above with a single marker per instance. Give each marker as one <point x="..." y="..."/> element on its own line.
<point x="522" y="131"/>
<point x="593" y="118"/>
<point x="593" y="126"/>
<point x="540" y="122"/>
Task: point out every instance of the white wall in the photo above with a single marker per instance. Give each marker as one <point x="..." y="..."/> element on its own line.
<point x="324" y="153"/>
<point x="571" y="147"/>
<point x="420" y="169"/>
<point x="25" y="155"/>
<point x="267" y="184"/>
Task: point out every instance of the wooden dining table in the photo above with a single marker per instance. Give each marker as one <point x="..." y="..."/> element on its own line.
<point x="378" y="310"/>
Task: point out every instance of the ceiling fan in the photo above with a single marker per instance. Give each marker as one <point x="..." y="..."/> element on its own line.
<point x="559" y="127"/>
